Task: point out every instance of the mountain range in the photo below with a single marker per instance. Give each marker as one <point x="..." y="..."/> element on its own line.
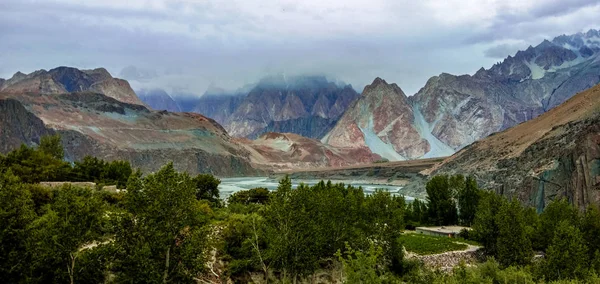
<point x="451" y="112"/>
<point x="305" y="105"/>
<point x="292" y="122"/>
<point x="554" y="155"/>
<point x="98" y="115"/>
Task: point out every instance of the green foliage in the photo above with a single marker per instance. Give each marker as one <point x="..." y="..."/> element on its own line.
<point x="99" y="171"/>
<point x="52" y="146"/>
<point x="244" y="244"/>
<point x="566" y="257"/>
<point x="590" y="228"/>
<point x="513" y="243"/>
<point x="207" y="187"/>
<point x="485" y="228"/>
<point x="16" y="213"/>
<point x="360" y="267"/>
<point x="468" y="199"/>
<point x="34" y="165"/>
<point x="441" y="205"/>
<point x="161" y="237"/>
<point x="556" y="212"/>
<point x="416" y="213"/>
<point x="424" y="244"/>
<point x="259" y="195"/>
<point x="58" y="237"/>
<point x="45" y="163"/>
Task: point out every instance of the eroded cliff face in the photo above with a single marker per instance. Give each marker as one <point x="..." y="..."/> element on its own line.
<point x="289" y="105"/>
<point x="554" y="155"/>
<point x="18" y="126"/>
<point x="382" y="120"/>
<point x="97" y="125"/>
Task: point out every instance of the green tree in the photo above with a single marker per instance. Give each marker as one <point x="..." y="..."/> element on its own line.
<point x="590" y="228"/>
<point x="416" y="213"/>
<point x="566" y="257"/>
<point x="33" y="165"/>
<point x="361" y="267"/>
<point x="290" y="231"/>
<point x="485" y="228"/>
<point x="162" y="235"/>
<point x="513" y="244"/>
<point x="441" y="204"/>
<point x="259" y="195"/>
<point x="70" y="226"/>
<point x="384" y="216"/>
<point x="207" y="187"/>
<point x="16" y="213"/>
<point x="52" y="146"/>
<point x="468" y="199"/>
<point x="556" y="212"/>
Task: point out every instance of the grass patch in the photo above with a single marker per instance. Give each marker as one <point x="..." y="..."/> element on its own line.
<point x="423" y="244"/>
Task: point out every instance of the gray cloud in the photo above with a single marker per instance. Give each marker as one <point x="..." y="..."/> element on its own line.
<point x="502" y="50"/>
<point x="190" y="44"/>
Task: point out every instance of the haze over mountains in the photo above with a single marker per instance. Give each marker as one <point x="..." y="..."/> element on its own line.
<point x="448" y="113"/>
<point x="305" y="105"/>
<point x="297" y="122"/>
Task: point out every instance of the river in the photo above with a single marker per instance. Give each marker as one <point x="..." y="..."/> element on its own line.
<point x="230" y="185"/>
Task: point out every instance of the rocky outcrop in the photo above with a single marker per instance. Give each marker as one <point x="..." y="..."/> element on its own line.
<point x="286" y="102"/>
<point x="66" y="80"/>
<point x="18" y="126"/>
<point x="218" y="106"/>
<point x="312" y="126"/>
<point x="98" y="125"/>
<point x="554" y="155"/>
<point x="464" y="109"/>
<point x="285" y="151"/>
<point x="382" y="120"/>
<point x="158" y="99"/>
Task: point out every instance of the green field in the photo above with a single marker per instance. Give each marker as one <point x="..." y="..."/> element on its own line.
<point x="424" y="245"/>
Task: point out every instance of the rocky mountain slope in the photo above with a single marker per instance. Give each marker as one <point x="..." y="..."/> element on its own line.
<point x="65" y="80"/>
<point x="464" y="109"/>
<point x="17" y="126"/>
<point x="158" y="99"/>
<point x="218" y="104"/>
<point x="290" y="105"/>
<point x="92" y="123"/>
<point x="450" y="111"/>
<point x="554" y="155"/>
<point x="285" y="151"/>
<point x="383" y="120"/>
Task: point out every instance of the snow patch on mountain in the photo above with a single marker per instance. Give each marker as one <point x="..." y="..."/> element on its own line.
<point x="377" y="146"/>
<point x="537" y="72"/>
<point x="438" y="148"/>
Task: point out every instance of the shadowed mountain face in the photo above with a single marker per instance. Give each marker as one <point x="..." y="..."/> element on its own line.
<point x="158" y="99"/>
<point x="304" y="105"/>
<point x="65" y="80"/>
<point x="220" y="106"/>
<point x="554" y="155"/>
<point x="450" y="111"/>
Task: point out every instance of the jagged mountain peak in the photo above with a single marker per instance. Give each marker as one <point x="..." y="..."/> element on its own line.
<point x="65" y="79"/>
<point x="380" y="84"/>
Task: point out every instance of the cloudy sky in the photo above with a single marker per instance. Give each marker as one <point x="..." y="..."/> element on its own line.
<point x="185" y="45"/>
